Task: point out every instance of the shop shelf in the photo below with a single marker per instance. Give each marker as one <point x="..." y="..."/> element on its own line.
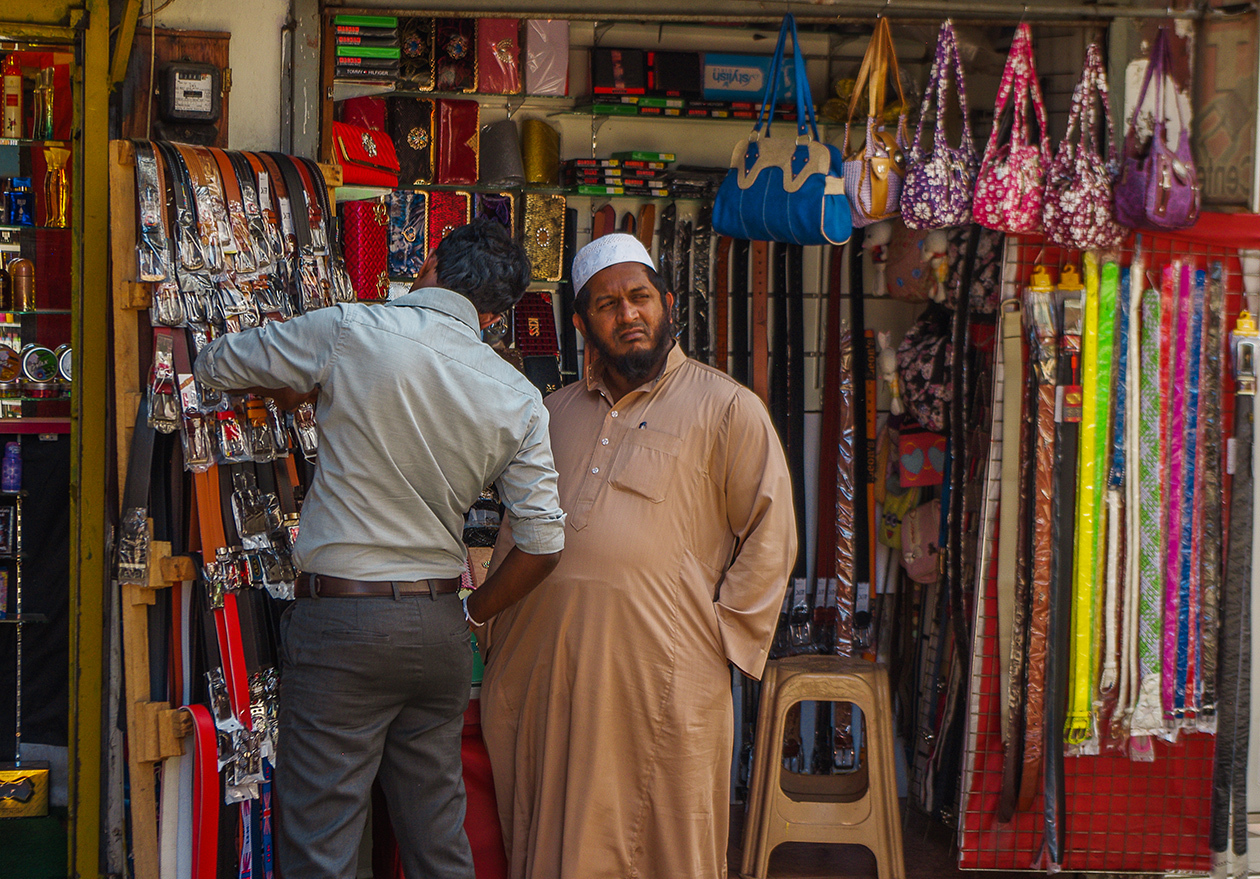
<point x="34" y="425"/>
<point x="22" y="141"/>
<point x="344" y="89"/>
<point x="15" y="620"/>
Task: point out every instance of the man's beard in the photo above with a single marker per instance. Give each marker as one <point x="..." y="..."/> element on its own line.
<point x="638" y="365"/>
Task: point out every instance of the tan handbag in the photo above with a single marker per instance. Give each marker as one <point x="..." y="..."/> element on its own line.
<point x="873" y="172"/>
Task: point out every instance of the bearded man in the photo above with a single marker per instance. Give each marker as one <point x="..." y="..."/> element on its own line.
<point x="606" y="706"/>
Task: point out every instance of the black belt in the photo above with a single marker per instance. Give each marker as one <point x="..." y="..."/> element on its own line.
<point x="323" y="586"/>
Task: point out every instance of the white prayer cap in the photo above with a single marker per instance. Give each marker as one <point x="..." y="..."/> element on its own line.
<point x="605" y="251"/>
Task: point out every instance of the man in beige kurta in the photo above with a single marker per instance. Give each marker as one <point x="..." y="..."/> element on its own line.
<point x="606" y="705"/>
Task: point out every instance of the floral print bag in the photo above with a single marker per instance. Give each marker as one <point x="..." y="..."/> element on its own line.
<point x="1011" y="183"/>
<point x="923" y="363"/>
<point x="1080" y="210"/>
<point x="940" y="181"/>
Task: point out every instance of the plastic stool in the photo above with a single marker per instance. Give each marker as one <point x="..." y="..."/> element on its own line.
<point x="859" y="807"/>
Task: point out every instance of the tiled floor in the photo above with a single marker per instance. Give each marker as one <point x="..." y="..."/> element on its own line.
<point x="930" y="853"/>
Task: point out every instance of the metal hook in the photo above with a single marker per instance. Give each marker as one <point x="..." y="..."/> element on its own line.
<point x="883" y="9"/>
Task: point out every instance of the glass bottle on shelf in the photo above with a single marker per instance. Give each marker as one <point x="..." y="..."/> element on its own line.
<point x="22" y="284"/>
<point x="12" y="122"/>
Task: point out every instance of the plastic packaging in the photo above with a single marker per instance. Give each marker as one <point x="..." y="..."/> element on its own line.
<point x="11" y="469"/>
<point x="546" y="57"/>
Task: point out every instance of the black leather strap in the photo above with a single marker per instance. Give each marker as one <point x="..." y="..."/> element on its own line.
<point x="702" y="346"/>
<point x="739" y="312"/>
<point x="794" y="293"/>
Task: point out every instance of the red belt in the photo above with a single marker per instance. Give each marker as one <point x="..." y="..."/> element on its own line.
<point x="321" y="586"/>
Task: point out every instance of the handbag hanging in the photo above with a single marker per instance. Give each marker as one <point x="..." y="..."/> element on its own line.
<point x="940" y="183"/>
<point x="1011" y="183"/>
<point x="1159" y="187"/>
<point x="784" y="189"/>
<point x="1079" y="211"/>
<point x="366" y="157"/>
<point x="873" y="172"/>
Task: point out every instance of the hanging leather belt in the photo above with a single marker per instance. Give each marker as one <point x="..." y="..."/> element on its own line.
<point x="246" y="260"/>
<point x="701" y="328"/>
<point x="793" y="293"/>
<point x="1211" y="504"/>
<point x="760" y="320"/>
<point x="1008" y="509"/>
<point x="721" y="304"/>
<point x="1058" y="634"/>
<point x="669" y="218"/>
<point x="739" y="313"/>
<point x="647" y="226"/>
<point x="1233" y="713"/>
<point x="683" y="328"/>
<point x="1044" y="332"/>
<point x="846" y="494"/>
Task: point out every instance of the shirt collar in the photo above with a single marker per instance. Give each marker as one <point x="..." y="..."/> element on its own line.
<point x="595" y="374"/>
<point x="447" y="302"/>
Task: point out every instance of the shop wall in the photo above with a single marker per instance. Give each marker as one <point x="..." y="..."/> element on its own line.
<point x="255" y="26"/>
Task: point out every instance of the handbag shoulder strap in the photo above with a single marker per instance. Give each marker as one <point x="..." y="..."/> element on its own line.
<point x="766" y="116"/>
<point x="1155" y="70"/>
<point x="1013" y="78"/>
<point x="948" y="58"/>
<point x="1037" y="100"/>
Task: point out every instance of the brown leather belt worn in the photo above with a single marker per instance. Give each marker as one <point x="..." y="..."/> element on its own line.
<point x="322" y="586"/>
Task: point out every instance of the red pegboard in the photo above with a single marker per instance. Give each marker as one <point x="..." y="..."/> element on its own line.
<point x="1121" y="816"/>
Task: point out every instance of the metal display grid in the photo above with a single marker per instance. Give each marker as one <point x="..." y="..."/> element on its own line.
<point x="1121" y="815"/>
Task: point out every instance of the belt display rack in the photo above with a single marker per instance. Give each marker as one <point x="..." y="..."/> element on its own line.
<point x="1130" y="759"/>
<point x="206" y="242"/>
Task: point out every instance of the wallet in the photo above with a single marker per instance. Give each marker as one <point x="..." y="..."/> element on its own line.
<point x="365" y="244"/>
<point x="447" y="212"/>
<point x="544" y="234"/>
<point x="415" y="39"/>
<point x="458" y="141"/>
<point x="499" y="56"/>
<point x="408" y="243"/>
<point x="411" y="126"/>
<point x="455" y="55"/>
<point x="366" y="157"/>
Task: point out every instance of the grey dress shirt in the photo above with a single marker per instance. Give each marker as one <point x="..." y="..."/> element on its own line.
<point x="416" y="417"/>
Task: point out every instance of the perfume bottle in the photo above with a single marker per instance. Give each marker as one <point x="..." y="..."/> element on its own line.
<point x="11" y="126"/>
<point x="21" y="202"/>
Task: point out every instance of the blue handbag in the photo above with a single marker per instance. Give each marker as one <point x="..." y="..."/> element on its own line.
<point x="785" y="189"/>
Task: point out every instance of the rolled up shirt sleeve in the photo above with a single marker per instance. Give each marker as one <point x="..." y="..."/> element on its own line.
<point x="292" y="354"/>
<point x="528" y="488"/>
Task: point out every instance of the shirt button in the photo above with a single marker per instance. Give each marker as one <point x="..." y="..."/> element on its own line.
<point x="594" y="469"/>
<point x="614" y="413"/>
<point x="604" y="441"/>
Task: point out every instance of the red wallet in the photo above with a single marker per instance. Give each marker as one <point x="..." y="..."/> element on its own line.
<point x="499" y="56"/>
<point x="447" y="212"/>
<point x="458" y="141"/>
<point x="366" y="112"/>
<point x="366" y="157"/>
<point x="365" y="234"/>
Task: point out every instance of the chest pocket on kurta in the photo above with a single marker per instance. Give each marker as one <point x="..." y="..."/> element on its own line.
<point x="645" y="463"/>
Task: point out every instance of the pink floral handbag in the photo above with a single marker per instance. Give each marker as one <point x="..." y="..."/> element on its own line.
<point x="1079" y="206"/>
<point x="1011" y="183"/>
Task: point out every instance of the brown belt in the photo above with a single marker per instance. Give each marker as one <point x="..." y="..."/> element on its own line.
<point x="761" y="320"/>
<point x="323" y="586"/>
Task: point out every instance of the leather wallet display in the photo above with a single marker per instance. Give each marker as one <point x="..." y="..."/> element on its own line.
<point x="367" y="112"/>
<point x="408" y="222"/>
<point x="366" y="157"/>
<point x="455" y="55"/>
<point x="447" y="212"/>
<point x="544" y="234"/>
<point x="499" y="56"/>
<point x="458" y="141"/>
<point x="411" y="126"/>
<point x="547" y="56"/>
<point x="540" y="147"/>
<point x="415" y="38"/>
<point x="365" y="240"/>
<point x="499" y="206"/>
<point x="618" y="71"/>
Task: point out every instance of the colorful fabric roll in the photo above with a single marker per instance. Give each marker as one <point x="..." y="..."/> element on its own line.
<point x="1187" y="610"/>
<point x="1211" y="504"/>
<point x="1177" y="592"/>
<point x="1115" y="482"/>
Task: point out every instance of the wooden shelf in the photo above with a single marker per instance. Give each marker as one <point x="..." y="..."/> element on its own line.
<point x="34" y="425"/>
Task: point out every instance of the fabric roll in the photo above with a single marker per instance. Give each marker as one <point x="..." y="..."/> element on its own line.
<point x="1210" y="507"/>
<point x="1175" y="470"/>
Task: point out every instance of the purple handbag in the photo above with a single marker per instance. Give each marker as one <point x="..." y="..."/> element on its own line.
<point x="1079" y="212"/>
<point x="1159" y="187"/>
<point x="939" y="184"/>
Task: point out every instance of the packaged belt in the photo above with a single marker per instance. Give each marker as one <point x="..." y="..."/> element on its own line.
<point x="499" y="56"/>
<point x="544" y="234"/>
<point x="415" y="71"/>
<point x="411" y="127"/>
<point x="408" y="220"/>
<point x="455" y="55"/>
<point x="458" y="131"/>
<point x="447" y="212"/>
<point x="365" y="239"/>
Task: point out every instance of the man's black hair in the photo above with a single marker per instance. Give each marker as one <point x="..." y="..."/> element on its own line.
<point x="484" y="263"/>
<point x="583" y="300"/>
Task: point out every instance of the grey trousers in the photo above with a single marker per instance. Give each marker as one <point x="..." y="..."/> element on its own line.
<point x="368" y="685"/>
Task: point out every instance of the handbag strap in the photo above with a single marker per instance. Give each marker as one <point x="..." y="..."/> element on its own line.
<point x="948" y="59"/>
<point x="806" y="123"/>
<point x="878" y="63"/>
<point x="1019" y="83"/>
<point x="1158" y="69"/>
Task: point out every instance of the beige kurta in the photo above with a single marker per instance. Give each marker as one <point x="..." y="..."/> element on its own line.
<point x="606" y="705"/>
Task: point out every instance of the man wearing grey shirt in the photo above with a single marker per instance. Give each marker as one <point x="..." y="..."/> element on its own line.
<point x="416" y="416"/>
